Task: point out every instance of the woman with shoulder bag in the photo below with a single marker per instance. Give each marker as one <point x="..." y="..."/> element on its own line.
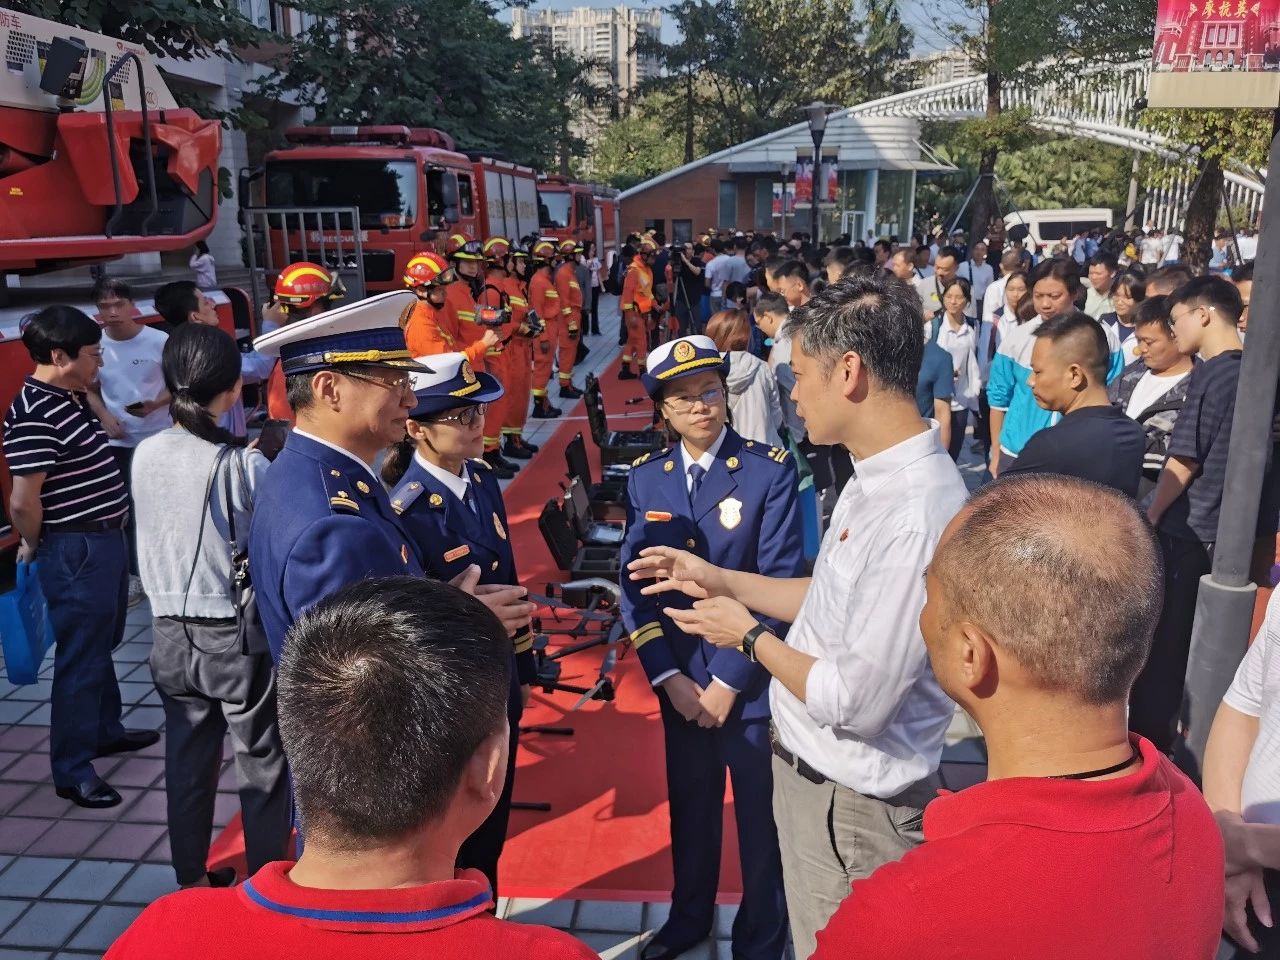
<point x="194" y="488"/>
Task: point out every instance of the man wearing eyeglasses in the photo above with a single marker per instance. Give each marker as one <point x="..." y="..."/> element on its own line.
<point x="321" y="518"/>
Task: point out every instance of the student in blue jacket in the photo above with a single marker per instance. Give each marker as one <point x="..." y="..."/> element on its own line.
<point x="449" y="502"/>
<point x="732" y="502"/>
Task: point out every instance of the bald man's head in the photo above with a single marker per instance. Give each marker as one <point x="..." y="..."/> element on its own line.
<point x="1071" y="586"/>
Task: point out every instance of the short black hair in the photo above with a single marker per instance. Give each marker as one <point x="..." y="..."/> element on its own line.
<point x="793" y="269"/>
<point x="111" y="286"/>
<point x="774" y="264"/>
<point x="1172" y="275"/>
<point x="883" y="244"/>
<point x="877" y="317"/>
<point x="1104" y="258"/>
<point x="773" y="303"/>
<point x="59" y="327"/>
<point x="950" y="251"/>
<point x="1063" y="269"/>
<point x="1153" y="310"/>
<point x="386" y="690"/>
<point x="297" y="390"/>
<point x="176" y="301"/>
<point x="1217" y="293"/>
<point x="1132" y="281"/>
<point x="1081" y="339"/>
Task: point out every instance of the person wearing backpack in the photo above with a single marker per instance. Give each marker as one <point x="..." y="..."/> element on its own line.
<point x="194" y="488"/>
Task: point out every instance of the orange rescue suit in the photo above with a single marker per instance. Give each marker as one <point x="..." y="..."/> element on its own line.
<point x="545" y="302"/>
<point x="433" y="330"/>
<point x="637" y="302"/>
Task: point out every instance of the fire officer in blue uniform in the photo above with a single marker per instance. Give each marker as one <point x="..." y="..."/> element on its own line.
<point x="321" y="517"/>
<point x="449" y="501"/>
<point x="732" y="502"/>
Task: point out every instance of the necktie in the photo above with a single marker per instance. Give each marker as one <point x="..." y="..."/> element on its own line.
<point x="470" y="499"/>
<point x="696" y="473"/>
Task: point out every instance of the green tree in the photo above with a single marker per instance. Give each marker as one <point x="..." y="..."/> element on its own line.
<point x="449" y="64"/>
<point x="1219" y="137"/>
<point x="1016" y="42"/>
<point x="746" y="67"/>
<point x="641" y="144"/>
<point x="175" y="28"/>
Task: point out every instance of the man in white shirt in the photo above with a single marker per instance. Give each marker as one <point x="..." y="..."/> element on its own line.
<point x="1102" y="271"/>
<point x="858" y="716"/>
<point x="717" y="274"/>
<point x="130" y="397"/>
<point x="980" y="275"/>
<point x="930" y="289"/>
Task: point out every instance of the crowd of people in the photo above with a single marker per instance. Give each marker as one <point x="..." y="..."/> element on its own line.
<point x="347" y="604"/>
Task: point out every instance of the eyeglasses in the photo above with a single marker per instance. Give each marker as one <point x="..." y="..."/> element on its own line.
<point x="467" y="416"/>
<point x="708" y="398"/>
<point x="400" y="384"/>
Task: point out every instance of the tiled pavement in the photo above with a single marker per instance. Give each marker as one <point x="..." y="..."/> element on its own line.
<point x="71" y="879"/>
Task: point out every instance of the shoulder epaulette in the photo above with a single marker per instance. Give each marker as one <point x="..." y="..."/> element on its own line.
<point x="776" y="454"/>
<point x="481" y="463"/>
<point x="343" y="493"/>
<point x="651" y="455"/>
<point x="404" y="498"/>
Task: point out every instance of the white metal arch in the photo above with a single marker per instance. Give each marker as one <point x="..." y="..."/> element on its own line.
<point x="1082" y="105"/>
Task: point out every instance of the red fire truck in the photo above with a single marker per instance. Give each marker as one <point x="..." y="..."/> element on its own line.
<point x="582" y="211"/>
<point x="96" y="161"/>
<point x="411" y="186"/>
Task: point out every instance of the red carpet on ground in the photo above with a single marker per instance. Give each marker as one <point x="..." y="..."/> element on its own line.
<point x="607" y="836"/>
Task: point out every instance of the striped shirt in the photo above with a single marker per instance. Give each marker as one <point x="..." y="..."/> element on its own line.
<point x="52" y="431"/>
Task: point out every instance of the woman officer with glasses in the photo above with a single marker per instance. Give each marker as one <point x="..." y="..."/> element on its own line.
<point x="450" y="504"/>
<point x="733" y="502"/>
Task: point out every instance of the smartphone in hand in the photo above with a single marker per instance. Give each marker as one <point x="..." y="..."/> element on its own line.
<point x="271" y="439"/>
<point x="136" y="409"/>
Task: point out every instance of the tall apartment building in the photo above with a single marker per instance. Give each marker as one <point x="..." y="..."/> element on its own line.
<point x="942" y="67"/>
<point x="606" y="35"/>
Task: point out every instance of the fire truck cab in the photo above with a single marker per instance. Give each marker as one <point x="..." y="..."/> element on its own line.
<point x="581" y="211"/>
<point x="410" y="185"/>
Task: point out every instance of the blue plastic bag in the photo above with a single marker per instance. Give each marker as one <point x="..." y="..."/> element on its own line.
<point x="26" y="631"/>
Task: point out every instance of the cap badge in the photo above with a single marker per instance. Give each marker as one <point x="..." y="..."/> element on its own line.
<point x="683" y="352"/>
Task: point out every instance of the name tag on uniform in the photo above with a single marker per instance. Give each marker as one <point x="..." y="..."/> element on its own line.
<point x="457" y="553"/>
<point x="656" y="516"/>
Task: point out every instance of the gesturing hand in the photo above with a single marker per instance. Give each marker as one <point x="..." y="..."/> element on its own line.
<point x="1243" y="889"/>
<point x="718" y="620"/>
<point x="673" y="569"/>
<point x="507" y="603"/>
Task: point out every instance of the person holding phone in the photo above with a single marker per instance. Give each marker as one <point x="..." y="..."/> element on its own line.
<point x="733" y="502"/>
<point x="450" y="504"/>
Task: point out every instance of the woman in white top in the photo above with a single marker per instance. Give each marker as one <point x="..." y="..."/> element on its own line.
<point x="953" y="333"/>
<point x="754" y="407"/>
<point x="1128" y="289"/>
<point x="594" y="265"/>
<point x="204" y="266"/>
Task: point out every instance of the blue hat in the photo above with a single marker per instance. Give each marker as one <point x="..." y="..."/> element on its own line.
<point x="681" y="358"/>
<point x="452" y="383"/>
<point x="366" y="332"/>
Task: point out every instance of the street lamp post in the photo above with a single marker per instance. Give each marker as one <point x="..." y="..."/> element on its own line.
<point x="817" y="114"/>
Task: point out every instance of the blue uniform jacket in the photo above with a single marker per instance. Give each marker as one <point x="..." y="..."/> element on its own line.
<point x="320" y="522"/>
<point x="745" y="517"/>
<point x="451" y="537"/>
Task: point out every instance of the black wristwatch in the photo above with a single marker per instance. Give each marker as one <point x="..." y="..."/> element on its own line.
<point x="749" y="640"/>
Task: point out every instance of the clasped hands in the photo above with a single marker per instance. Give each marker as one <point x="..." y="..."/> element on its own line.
<point x="715" y="616"/>
<point x="507" y="603"/>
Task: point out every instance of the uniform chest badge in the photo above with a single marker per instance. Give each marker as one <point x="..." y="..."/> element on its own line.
<point x="497" y="525"/>
<point x="436" y="500"/>
<point x="730" y="513"/>
<point x="457" y="553"/>
<point x="362" y="486"/>
<point x="656" y="516"/>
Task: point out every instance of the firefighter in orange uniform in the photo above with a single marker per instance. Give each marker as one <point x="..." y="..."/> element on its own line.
<point x="637" y="303"/>
<point x="467" y="258"/>
<point x="302" y="290"/>
<point x="495" y="310"/>
<point x="429" y="328"/>
<point x="544" y="300"/>
<point x="570" y="293"/>
<point x="517" y="364"/>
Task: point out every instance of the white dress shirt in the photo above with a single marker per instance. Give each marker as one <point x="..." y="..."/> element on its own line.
<point x="456" y="485"/>
<point x="962" y="344"/>
<point x="874" y="716"/>
<point x="345" y="453"/>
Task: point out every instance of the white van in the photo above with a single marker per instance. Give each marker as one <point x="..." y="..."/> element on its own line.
<point x="1046" y="227"/>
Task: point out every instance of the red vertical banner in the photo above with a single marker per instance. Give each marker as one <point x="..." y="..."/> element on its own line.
<point x="804" y="181"/>
<point x="829" y="189"/>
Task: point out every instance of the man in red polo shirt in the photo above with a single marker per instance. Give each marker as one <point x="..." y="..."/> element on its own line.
<point x="1085" y="841"/>
<point x="392" y="700"/>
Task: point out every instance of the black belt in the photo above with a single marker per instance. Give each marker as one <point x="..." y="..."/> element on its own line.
<point x="796" y="763"/>
<point x="204" y="621"/>
<point x="92" y="526"/>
